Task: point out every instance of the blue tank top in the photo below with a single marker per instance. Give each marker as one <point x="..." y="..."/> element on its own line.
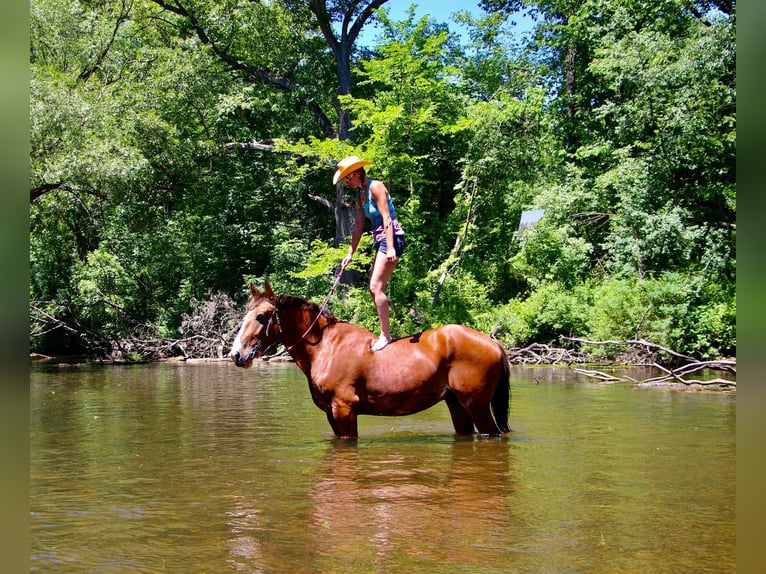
<point x="371" y="208"/>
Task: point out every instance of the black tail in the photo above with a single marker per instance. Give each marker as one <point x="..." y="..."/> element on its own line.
<point x="501" y="400"/>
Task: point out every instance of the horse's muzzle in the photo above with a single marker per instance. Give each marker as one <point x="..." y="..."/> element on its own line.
<point x="237" y="358"/>
<point x="243" y="360"/>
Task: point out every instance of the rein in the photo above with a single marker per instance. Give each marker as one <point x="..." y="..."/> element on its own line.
<point x="322" y="307"/>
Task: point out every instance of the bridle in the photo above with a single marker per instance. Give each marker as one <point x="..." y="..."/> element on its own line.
<point x="275" y="316"/>
<point x="257" y="347"/>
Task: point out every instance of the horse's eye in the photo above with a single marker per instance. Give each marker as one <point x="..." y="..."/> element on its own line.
<point x="261" y="318"/>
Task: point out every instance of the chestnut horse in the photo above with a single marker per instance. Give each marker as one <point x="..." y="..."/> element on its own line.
<point x="466" y="368"/>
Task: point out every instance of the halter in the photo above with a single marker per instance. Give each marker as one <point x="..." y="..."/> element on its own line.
<point x="257" y="347"/>
<point x="322" y="307"/>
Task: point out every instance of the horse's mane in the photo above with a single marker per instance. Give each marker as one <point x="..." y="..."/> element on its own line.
<point x="287" y="301"/>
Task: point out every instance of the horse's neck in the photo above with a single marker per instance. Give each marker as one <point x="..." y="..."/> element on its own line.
<point x="306" y="333"/>
<point x="301" y="340"/>
<point x="304" y="325"/>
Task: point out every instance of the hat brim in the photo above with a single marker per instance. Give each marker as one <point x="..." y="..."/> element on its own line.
<point x="341" y="173"/>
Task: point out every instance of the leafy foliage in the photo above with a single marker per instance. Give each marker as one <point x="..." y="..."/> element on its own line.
<point x="185" y="149"/>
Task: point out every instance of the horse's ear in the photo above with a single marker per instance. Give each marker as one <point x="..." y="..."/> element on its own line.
<point x="254" y="291"/>
<point x="268" y="292"/>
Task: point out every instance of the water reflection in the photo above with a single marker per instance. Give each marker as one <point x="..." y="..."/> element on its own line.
<point x="388" y="502"/>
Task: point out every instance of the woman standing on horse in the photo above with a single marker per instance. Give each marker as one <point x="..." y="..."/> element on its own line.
<point x="374" y="202"/>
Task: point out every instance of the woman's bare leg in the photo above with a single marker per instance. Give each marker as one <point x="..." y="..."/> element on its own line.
<point x="381" y="273"/>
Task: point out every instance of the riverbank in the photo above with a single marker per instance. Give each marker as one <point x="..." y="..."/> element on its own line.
<point x="719" y="376"/>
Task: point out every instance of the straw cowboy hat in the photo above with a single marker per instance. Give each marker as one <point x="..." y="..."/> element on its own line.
<point x="348" y="165"/>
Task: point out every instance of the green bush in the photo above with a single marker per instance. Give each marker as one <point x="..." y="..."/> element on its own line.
<point x="686" y="316"/>
<point x="689" y="317"/>
<point x="551" y="255"/>
<point x="548" y="312"/>
<point x="104" y="292"/>
<point x="461" y="299"/>
<point x="512" y="322"/>
<point x="710" y="326"/>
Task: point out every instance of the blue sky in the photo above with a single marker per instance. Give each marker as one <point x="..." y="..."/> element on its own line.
<point x="439" y="10"/>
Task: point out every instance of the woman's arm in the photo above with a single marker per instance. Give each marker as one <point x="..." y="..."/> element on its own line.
<point x="356" y="235"/>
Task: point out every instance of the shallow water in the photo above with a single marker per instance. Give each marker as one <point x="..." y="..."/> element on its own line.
<point x="211" y="468"/>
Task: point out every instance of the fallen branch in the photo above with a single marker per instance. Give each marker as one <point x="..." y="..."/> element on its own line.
<point x="719" y="382"/>
<point x="674" y="376"/>
<point x="599" y="375"/>
<point x="632" y="342"/>
<point x="51" y="320"/>
<point x="538" y="353"/>
<point x="677" y="375"/>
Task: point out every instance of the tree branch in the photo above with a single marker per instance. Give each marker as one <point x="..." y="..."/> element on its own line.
<point x="250" y="146"/>
<point x="453" y="259"/>
<point x="123" y="17"/>
<point x="50" y="319"/>
<point x="251" y="72"/>
<point x="635" y="342"/>
<point x="326" y="202"/>
<point x="366" y="14"/>
<point x="37" y="192"/>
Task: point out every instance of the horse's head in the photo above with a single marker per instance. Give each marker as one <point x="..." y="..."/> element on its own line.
<point x="260" y="328"/>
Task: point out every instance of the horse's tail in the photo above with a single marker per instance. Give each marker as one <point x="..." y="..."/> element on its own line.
<point x="501" y="399"/>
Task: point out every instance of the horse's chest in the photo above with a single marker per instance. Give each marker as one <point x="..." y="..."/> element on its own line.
<point x="321" y="394"/>
<point x="328" y="389"/>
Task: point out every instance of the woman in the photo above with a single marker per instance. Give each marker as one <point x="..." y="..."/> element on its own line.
<point x="374" y="202"/>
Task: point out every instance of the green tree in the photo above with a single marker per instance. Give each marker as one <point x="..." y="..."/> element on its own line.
<point x="129" y="154"/>
<point x="666" y="158"/>
<point x="181" y="149"/>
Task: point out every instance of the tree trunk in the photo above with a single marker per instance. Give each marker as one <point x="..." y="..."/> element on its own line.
<point x="344" y="217"/>
<point x="343" y="63"/>
<point x="453" y="259"/>
<point x="571" y="90"/>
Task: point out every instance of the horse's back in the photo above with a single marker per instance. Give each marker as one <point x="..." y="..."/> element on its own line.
<point x="458" y="342"/>
<point x="433" y="357"/>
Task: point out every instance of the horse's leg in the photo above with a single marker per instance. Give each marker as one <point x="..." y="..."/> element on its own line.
<point x="460" y="418"/>
<point x="479" y="412"/>
<point x="483" y="419"/>
<point x="331" y="420"/>
<point x="469" y="383"/>
<point x="343" y="420"/>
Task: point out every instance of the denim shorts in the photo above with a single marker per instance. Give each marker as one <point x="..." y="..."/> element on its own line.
<point x="399" y="243"/>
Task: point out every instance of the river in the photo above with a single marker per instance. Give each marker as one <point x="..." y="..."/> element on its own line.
<point x="205" y="467"/>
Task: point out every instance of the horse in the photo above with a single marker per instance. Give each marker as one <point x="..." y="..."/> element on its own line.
<point x="465" y="368"/>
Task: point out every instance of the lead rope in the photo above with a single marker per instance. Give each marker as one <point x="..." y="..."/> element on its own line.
<point x="322" y="307"/>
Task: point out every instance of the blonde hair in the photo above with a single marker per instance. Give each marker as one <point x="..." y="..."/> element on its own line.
<point x="359" y="201"/>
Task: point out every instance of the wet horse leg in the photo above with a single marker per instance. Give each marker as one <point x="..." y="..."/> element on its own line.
<point x="461" y="420"/>
<point x="331" y="420"/>
<point x="343" y="420"/>
<point x="468" y="383"/>
<point x="479" y="412"/>
<point x="483" y="419"/>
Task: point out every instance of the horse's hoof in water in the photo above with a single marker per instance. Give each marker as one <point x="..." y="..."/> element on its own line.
<point x="489" y="436"/>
